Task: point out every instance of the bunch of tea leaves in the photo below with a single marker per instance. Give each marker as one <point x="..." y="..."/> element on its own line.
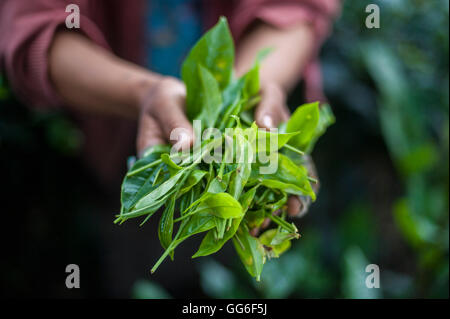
<point x="225" y="199"/>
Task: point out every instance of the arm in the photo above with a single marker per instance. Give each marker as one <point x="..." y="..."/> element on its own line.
<point x="48" y="66"/>
<point x="296" y="29"/>
<point x="91" y="79"/>
<point x="292" y="48"/>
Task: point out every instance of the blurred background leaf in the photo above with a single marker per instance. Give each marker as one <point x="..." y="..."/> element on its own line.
<point x="144" y="289"/>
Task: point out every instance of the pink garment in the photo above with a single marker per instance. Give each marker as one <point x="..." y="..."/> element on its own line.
<point x="27" y="29"/>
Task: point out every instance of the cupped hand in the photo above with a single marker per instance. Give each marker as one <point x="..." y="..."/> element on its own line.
<point x="163" y="111"/>
<point x="271" y="111"/>
<point x="162" y="118"/>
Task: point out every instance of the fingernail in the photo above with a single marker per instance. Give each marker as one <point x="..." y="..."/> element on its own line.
<point x="267" y="121"/>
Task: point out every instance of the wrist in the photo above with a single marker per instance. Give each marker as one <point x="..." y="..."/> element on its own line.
<point x="141" y="87"/>
<point x="159" y="90"/>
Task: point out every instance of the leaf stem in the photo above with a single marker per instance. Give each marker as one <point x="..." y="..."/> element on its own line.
<point x="171" y="247"/>
<point x="293" y="149"/>
<point x="143" y="168"/>
<point x="281" y="222"/>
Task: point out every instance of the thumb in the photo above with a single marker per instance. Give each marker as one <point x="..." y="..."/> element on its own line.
<point x="149" y="133"/>
<point x="173" y="122"/>
<point x="272" y="109"/>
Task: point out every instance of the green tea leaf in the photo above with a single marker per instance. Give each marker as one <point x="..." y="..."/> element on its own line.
<point x="219" y="185"/>
<point x="221" y="225"/>
<point x="233" y="109"/>
<point x="215" y="51"/>
<point x="250" y="251"/>
<point x="304" y="120"/>
<point x="222" y="205"/>
<point x="279" y="204"/>
<point x="326" y="119"/>
<point x="211" y="98"/>
<point x="168" y="161"/>
<point x="209" y="244"/>
<point x="275" y="250"/>
<point x="165" y="227"/>
<point x="160" y="191"/>
<point x="195" y="177"/>
<point x="251" y="88"/>
<point x="254" y="218"/>
<point x="251" y="84"/>
<point x="271" y="141"/>
<point x="289" y="177"/>
<point x="282" y="236"/>
<point x="243" y="170"/>
<point x="136" y="186"/>
<point x="148" y="210"/>
<point x="197" y="223"/>
<point x="247" y="198"/>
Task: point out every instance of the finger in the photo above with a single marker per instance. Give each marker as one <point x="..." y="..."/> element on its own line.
<point x="149" y="133"/>
<point x="254" y="232"/>
<point x="175" y="126"/>
<point x="312" y="171"/>
<point x="295" y="206"/>
<point x="285" y="114"/>
<point x="266" y="221"/>
<point x="272" y="109"/>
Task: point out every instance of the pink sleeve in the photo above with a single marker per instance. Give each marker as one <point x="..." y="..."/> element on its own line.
<point x="26" y="32"/>
<point x="284" y="13"/>
<point x="319" y="14"/>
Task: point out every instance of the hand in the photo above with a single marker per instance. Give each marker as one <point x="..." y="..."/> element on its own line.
<point x="162" y="111"/>
<point x="271" y="111"/>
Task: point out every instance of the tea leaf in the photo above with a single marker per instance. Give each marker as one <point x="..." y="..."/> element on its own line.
<point x="222" y="205"/>
<point x="211" y="98"/>
<point x="326" y="119"/>
<point x="136" y="186"/>
<point x="277" y="249"/>
<point x="243" y="170"/>
<point x="250" y="251"/>
<point x="195" y="177"/>
<point x="215" y="51"/>
<point x="165" y="227"/>
<point x="271" y="141"/>
<point x="304" y="120"/>
<point x="289" y="177"/>
<point x="160" y="191"/>
<point x="209" y="244"/>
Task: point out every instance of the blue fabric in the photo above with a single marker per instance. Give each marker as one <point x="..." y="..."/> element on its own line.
<point x="173" y="27"/>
